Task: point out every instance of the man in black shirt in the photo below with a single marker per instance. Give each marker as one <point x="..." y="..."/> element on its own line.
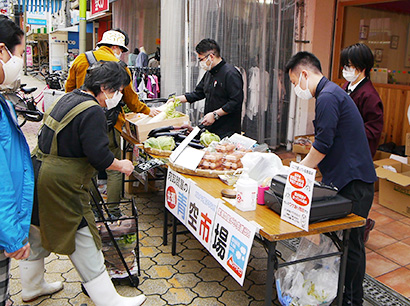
<point x="222" y="87"/>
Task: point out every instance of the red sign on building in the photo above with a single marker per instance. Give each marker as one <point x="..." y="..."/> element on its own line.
<point x="99" y="6"/>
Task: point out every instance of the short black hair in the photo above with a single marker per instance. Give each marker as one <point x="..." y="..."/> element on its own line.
<point x="206" y="45"/>
<point x="136" y="51"/>
<point x="10" y="33"/>
<point x="110" y="75"/>
<point x="359" y="56"/>
<point x="303" y="58"/>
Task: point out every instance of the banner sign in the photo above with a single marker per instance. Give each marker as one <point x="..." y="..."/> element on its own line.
<point x="201" y="214"/>
<point x="176" y="195"/>
<point x="231" y="243"/>
<point x="297" y="197"/>
<point x="29" y="56"/>
<point x="99" y="6"/>
<point x="224" y="233"/>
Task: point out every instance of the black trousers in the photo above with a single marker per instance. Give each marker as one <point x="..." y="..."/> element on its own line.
<point x="361" y="194"/>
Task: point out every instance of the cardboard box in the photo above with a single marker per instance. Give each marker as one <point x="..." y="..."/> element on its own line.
<point x="139" y="128"/>
<point x="378" y="156"/>
<point x="394" y="190"/>
<point x="303" y="143"/>
<point x="408" y="144"/>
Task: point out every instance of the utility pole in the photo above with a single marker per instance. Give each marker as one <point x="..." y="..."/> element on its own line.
<point x="25" y="40"/>
<point x="83" y="25"/>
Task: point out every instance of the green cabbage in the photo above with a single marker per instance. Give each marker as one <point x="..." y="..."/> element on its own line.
<point x="165" y="143"/>
<point x="170" y="109"/>
<point x="207" y="137"/>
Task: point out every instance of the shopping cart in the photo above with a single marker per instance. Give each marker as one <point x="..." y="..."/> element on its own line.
<point x="119" y="236"/>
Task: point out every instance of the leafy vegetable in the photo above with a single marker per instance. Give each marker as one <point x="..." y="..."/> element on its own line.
<point x="165" y="143"/>
<point x="168" y="111"/>
<point x="207" y="137"/>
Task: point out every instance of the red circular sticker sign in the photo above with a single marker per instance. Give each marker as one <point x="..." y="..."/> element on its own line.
<point x="300" y="198"/>
<point x="171" y="197"/>
<point x="297" y="180"/>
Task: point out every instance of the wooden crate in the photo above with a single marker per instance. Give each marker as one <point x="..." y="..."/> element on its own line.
<point x="140" y="128"/>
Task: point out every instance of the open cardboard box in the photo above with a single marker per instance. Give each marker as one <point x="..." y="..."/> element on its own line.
<point x="139" y="127"/>
<point x="379" y="155"/>
<point x="394" y="190"/>
<point x="303" y="149"/>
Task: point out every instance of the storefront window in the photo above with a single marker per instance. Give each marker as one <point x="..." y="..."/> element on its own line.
<point x="385" y="28"/>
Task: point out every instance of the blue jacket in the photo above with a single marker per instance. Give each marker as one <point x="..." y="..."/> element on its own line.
<point x="16" y="181"/>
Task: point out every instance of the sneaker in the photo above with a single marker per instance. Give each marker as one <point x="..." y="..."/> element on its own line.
<point x="369" y="226"/>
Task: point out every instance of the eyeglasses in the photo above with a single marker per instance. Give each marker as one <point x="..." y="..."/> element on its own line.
<point x="201" y="59"/>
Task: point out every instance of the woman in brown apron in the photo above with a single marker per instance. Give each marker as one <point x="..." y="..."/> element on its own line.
<point x="72" y="146"/>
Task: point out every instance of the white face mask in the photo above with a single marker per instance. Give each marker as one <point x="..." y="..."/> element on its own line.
<point x="118" y="56"/>
<point x="203" y="64"/>
<point x="304" y="94"/>
<point x="349" y="73"/>
<point x="12" y="70"/>
<point x="113" y="102"/>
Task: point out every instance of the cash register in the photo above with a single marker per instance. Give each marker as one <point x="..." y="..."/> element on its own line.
<point x="326" y="203"/>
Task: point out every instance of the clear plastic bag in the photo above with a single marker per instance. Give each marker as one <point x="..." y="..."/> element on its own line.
<point x="310" y="283"/>
<point x="262" y="165"/>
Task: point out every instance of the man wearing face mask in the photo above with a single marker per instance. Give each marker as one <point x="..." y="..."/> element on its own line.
<point x="112" y="45"/>
<point x="341" y="152"/>
<point x="357" y="61"/>
<point x="222" y="87"/>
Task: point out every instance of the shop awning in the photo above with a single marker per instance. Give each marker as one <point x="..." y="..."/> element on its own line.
<point x="39" y="5"/>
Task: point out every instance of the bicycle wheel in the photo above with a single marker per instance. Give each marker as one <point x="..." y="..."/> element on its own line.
<point x="21" y="119"/>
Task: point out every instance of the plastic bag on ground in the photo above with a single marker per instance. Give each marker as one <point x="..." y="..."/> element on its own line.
<point x="310" y="283"/>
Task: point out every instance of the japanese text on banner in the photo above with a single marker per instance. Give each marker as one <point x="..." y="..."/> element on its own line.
<point x="297" y="199"/>
<point x="231" y="242"/>
<point x="201" y="214"/>
<point x="177" y="194"/>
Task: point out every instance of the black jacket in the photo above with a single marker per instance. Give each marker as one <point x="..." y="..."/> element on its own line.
<point x="222" y="87"/>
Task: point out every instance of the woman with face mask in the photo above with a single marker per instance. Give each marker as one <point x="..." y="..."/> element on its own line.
<point x="16" y="171"/>
<point x="72" y="146"/>
<point x="357" y="61"/>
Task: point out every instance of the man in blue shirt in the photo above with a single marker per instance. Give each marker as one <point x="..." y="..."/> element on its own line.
<point x="342" y="154"/>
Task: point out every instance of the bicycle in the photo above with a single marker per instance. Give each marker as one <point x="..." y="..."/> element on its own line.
<point x="25" y="104"/>
<point x="25" y="107"/>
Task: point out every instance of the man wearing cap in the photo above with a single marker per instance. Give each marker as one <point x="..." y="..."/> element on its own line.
<point x="111" y="46"/>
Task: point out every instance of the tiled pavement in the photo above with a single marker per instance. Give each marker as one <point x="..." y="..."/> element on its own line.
<point x="192" y="277"/>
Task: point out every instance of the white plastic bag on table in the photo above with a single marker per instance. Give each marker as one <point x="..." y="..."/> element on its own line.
<point x="262" y="165"/>
<point x="310" y="283"/>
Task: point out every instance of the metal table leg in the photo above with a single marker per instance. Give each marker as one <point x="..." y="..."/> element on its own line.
<point x="270" y="277"/>
<point x="165" y="224"/>
<point x="343" y="263"/>
<point x="174" y="235"/>
<point x="165" y="227"/>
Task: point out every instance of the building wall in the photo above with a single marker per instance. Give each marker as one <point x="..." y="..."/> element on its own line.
<point x="318" y="27"/>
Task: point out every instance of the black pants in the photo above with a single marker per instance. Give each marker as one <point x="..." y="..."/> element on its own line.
<point x="361" y="194"/>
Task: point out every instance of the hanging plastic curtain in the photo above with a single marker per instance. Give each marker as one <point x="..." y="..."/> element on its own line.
<point x="257" y="37"/>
